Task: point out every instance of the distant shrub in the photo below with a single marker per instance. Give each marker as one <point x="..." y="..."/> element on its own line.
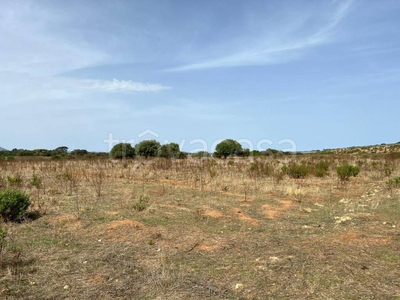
<point x="148" y="148"/>
<point x="227" y="147"/>
<point x="122" y="150"/>
<point x="170" y="150"/>
<point x="13" y="204"/>
<point x="182" y="155"/>
<point x="322" y="169"/>
<point x="297" y="171"/>
<point x="260" y="168"/>
<point x="346" y="171"/>
<point x="202" y="154"/>
<point x="394" y="155"/>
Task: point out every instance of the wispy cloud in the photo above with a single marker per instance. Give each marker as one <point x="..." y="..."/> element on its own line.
<point x="288" y="43"/>
<point x="129" y="86"/>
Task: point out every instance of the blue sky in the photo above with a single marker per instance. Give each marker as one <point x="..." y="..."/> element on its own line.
<point x="322" y="74"/>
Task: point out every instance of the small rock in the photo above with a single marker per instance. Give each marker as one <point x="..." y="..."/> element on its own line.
<point x="274" y="259"/>
<point x="307" y="209"/>
<point x="239" y="286"/>
<point x="66" y="287"/>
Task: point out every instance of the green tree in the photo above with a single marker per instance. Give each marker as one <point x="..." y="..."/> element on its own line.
<point x="122" y="150"/>
<point x="170" y="150"/>
<point x="228" y="147"/>
<point x="61" y="150"/>
<point x="148" y="148"/>
<point x="79" y="152"/>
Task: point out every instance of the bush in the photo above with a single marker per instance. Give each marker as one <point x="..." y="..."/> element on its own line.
<point x="296" y="171"/>
<point x="122" y="150"/>
<point x="141" y="204"/>
<point x="170" y="150"/>
<point x="393" y="183"/>
<point x="228" y="147"/>
<point x="15" y="180"/>
<point x="322" y="168"/>
<point x="13" y="205"/>
<point x="148" y="148"/>
<point x="182" y="155"/>
<point x="346" y="171"/>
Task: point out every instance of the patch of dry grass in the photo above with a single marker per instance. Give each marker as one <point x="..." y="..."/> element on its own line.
<point x="211" y="229"/>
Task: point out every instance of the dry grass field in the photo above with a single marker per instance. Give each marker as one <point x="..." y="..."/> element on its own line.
<point x="203" y="229"/>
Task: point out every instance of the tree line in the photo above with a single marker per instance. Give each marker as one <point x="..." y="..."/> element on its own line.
<point x="146" y="148"/>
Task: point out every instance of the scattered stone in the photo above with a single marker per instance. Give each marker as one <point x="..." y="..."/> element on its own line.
<point x="274" y="259"/>
<point x="66" y="287"/>
<point x="342" y="219"/>
<point x="239" y="286"/>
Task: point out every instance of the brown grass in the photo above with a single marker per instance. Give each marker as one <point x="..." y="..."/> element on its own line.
<point x="210" y="230"/>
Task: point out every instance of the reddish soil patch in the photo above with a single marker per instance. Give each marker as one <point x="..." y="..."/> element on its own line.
<point x="214" y="214"/>
<point x="238" y="212"/>
<point x="273" y="211"/>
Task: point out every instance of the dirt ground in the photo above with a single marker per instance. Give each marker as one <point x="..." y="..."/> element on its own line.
<point x="203" y="229"/>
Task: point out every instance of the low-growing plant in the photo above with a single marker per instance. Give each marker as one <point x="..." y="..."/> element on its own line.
<point x="322" y="168"/>
<point x="346" y="171"/>
<point x="296" y="171"/>
<point x="260" y="168"/>
<point x="393" y="183"/>
<point x="142" y="203"/>
<point x="36" y="181"/>
<point x="13" y="205"/>
<point x="14" y="181"/>
<point x="3" y="235"/>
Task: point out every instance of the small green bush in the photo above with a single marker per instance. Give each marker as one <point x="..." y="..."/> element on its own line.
<point x="36" y="181"/>
<point x="322" y="169"/>
<point x="14" y="180"/>
<point x="142" y="203"/>
<point x="122" y="150"/>
<point x="346" y="171"/>
<point x="296" y="171"/>
<point x="13" y="205"/>
<point x="394" y="183"/>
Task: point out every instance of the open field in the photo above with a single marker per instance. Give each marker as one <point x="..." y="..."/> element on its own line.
<point x="203" y="229"/>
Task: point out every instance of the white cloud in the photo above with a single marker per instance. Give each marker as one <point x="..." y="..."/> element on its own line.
<point x="129" y="86"/>
<point x="285" y="43"/>
<point x="40" y="40"/>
